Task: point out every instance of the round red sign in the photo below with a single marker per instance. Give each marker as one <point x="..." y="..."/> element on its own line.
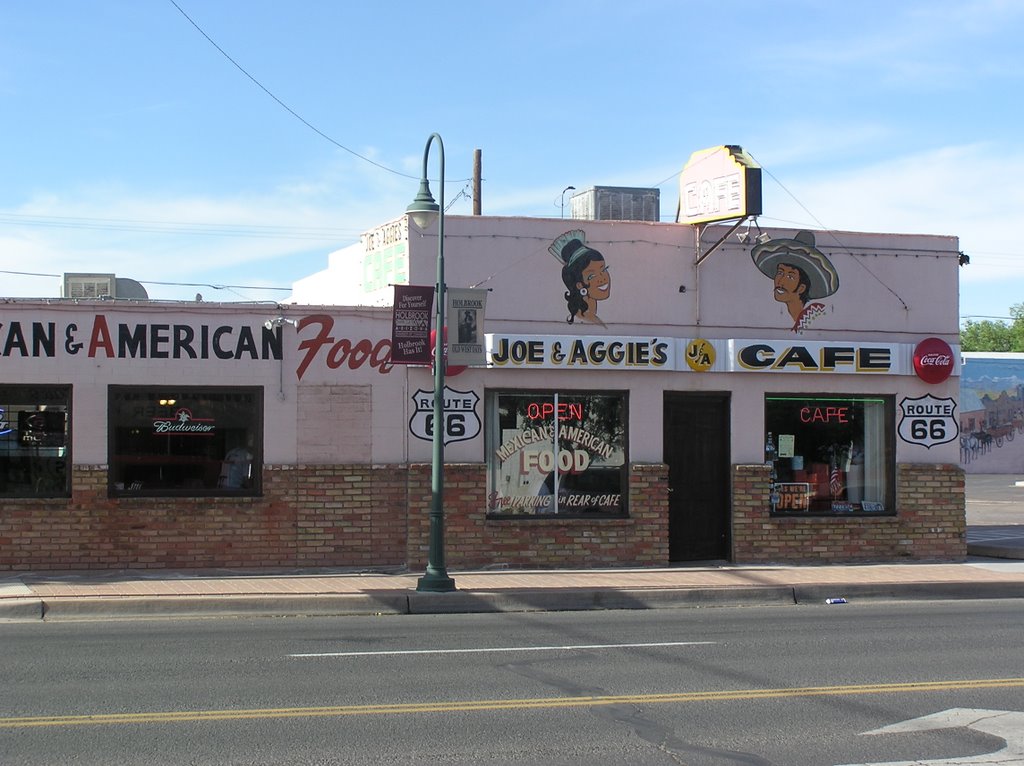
<point x="933" y="360"/>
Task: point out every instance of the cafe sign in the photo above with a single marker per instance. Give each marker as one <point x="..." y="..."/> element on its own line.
<point x="719" y="184"/>
<point x="698" y="355"/>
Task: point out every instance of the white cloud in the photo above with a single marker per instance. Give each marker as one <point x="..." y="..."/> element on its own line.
<point x="244" y="239"/>
<point x="965" y="191"/>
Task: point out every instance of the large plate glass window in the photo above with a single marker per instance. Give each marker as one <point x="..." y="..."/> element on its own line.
<point x="832" y="454"/>
<point x="557" y="454"/>
<point x="185" y="441"/>
<point x="35" y="441"/>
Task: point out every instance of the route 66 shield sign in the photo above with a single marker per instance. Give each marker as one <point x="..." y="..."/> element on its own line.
<point x="461" y="422"/>
<point x="928" y="421"/>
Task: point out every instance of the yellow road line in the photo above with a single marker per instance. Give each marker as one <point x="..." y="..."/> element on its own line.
<point x="192" y="716"/>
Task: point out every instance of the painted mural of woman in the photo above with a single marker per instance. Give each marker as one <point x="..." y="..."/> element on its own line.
<point x="585" y="276"/>
<point x="800" y="274"/>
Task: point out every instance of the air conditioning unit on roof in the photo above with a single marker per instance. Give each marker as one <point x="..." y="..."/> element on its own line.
<point x="616" y="203"/>
<point x="90" y="286"/>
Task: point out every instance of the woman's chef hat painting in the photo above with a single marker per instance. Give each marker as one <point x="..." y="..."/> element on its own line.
<point x="585" y="276"/>
<point x="800" y="273"/>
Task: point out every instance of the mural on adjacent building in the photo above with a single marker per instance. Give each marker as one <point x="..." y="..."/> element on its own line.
<point x="585" y="275"/>
<point x="801" y="275"/>
<point x="992" y="413"/>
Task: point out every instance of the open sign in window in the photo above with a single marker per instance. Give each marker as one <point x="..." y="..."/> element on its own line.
<point x="556" y="454"/>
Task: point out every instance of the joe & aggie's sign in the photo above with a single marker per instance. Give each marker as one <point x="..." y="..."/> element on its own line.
<point x="677" y="354"/>
<point x="573" y="352"/>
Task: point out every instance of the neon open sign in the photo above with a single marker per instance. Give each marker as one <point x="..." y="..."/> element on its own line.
<point x="547" y="410"/>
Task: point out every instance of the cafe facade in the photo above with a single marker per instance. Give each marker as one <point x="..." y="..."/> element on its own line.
<point x="638" y="394"/>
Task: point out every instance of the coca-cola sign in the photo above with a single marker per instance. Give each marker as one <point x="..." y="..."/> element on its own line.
<point x="933" y="360"/>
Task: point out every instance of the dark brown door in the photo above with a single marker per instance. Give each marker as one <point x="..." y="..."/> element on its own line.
<point x="697" y="454"/>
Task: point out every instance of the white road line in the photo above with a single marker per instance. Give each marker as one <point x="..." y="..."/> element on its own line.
<point x="496" y="649"/>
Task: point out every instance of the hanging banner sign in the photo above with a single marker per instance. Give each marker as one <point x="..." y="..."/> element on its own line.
<point x="410" y="325"/>
<point x="465" y="315"/>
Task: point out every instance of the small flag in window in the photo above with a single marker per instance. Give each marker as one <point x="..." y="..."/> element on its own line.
<point x="835" y="482"/>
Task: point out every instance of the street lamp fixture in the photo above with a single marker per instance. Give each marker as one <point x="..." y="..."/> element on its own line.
<point x="567" y="188"/>
<point x="423" y="211"/>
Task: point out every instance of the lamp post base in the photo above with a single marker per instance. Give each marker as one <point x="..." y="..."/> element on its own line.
<point x="435" y="582"/>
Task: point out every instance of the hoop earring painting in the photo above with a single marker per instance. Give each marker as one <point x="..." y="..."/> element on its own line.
<point x="584" y="274"/>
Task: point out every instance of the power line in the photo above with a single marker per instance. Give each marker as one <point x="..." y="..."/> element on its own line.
<point x="259" y="231"/>
<point x="281" y="103"/>
<point x="288" y="109"/>
<point x="154" y="282"/>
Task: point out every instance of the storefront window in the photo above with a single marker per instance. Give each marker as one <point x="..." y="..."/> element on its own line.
<point x="35" y="459"/>
<point x="557" y="454"/>
<point x="185" y="441"/>
<point x="832" y="454"/>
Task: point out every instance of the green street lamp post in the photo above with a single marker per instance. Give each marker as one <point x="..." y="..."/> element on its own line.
<point x="423" y="211"/>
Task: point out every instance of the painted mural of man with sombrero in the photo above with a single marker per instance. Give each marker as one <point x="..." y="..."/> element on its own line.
<point x="801" y="274"/>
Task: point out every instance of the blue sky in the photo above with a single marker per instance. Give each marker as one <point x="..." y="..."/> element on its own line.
<point x="134" y="143"/>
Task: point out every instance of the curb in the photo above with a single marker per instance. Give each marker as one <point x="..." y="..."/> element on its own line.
<point x="198" y="607"/>
<point x="466" y="602"/>
<point x="20" y="609"/>
<point x="810" y="594"/>
<point x="548" y="600"/>
<point x="995" y="551"/>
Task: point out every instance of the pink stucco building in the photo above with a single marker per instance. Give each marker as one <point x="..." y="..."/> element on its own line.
<point x="638" y="401"/>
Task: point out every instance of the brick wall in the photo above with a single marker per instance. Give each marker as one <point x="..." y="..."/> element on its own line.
<point x="339" y="515"/>
<point x="473" y="541"/>
<point x="321" y="515"/>
<point x="378" y="516"/>
<point x="930" y="522"/>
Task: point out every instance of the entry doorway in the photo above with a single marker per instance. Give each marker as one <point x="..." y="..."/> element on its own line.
<point x="696" y="450"/>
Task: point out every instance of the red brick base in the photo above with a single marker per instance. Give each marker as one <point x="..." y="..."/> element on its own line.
<point x="474" y="541"/>
<point x="378" y="516"/>
<point x="929" y="524"/>
<point x="328" y="515"/>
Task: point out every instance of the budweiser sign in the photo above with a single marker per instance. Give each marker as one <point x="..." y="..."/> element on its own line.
<point x="933" y="360"/>
<point x="184" y="424"/>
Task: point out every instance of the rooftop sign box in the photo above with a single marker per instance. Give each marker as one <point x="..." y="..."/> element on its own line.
<point x="719" y="184"/>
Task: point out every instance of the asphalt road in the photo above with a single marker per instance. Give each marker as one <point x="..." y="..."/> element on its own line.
<point x="754" y="685"/>
<point x="994" y="499"/>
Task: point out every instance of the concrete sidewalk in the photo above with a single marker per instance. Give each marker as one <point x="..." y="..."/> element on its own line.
<point x="147" y="593"/>
<point x="994" y="569"/>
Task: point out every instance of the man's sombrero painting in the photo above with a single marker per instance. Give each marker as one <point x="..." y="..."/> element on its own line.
<point x="801" y="274"/>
